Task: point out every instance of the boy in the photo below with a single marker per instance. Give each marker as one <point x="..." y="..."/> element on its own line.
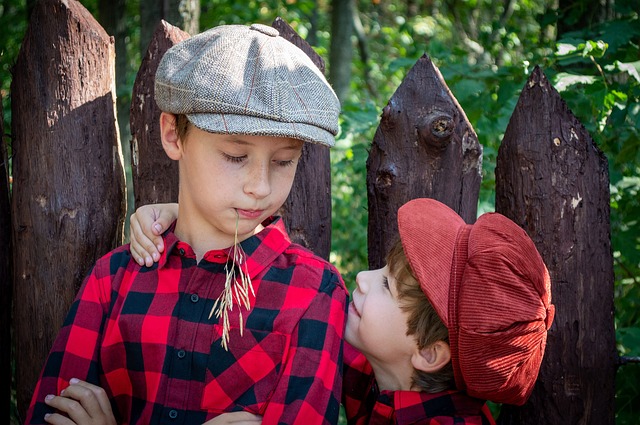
<point x="475" y="304"/>
<point x="458" y="316"/>
<point x="234" y="317"/>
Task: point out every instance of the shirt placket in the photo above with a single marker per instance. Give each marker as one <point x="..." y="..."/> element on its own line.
<point x="191" y="311"/>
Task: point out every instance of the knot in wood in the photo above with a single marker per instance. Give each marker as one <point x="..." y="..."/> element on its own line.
<point x="435" y="129"/>
<point x="385" y="177"/>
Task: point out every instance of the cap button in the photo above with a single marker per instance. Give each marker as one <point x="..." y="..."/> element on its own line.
<point x="267" y="30"/>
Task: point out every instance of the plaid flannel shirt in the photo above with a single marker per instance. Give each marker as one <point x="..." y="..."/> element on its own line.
<point x="145" y="336"/>
<point x="366" y="405"/>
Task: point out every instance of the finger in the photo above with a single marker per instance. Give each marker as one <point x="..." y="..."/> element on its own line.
<point x="58" y="419"/>
<point x="147" y="231"/>
<point x="142" y="248"/>
<point x="69" y="406"/>
<point x="236" y="418"/>
<point x="99" y="393"/>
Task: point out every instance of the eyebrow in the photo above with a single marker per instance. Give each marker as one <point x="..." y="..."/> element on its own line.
<point x="238" y="140"/>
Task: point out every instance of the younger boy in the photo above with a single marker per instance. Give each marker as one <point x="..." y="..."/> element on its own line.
<point x="234" y="317"/>
<point x="458" y="316"/>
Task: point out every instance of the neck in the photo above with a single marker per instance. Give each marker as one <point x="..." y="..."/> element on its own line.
<point x="202" y="237"/>
<point x="396" y="377"/>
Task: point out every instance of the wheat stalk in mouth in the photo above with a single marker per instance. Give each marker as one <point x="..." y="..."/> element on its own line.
<point x="237" y="286"/>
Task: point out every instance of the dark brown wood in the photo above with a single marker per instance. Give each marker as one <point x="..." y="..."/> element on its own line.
<point x="553" y="181"/>
<point x="68" y="201"/>
<point x="5" y="280"/>
<point x="155" y="175"/>
<point x="307" y="211"/>
<point x="424" y="148"/>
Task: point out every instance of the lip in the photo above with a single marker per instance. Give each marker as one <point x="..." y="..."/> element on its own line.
<point x="353" y="309"/>
<point x="249" y="213"/>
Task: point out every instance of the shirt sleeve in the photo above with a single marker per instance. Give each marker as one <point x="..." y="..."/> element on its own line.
<point x="308" y="391"/>
<point x="75" y="351"/>
<point x="358" y="389"/>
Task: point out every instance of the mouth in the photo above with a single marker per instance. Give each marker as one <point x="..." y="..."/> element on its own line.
<point x="251" y="214"/>
<point x="353" y="309"/>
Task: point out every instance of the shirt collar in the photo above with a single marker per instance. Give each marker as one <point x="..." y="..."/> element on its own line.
<point x="261" y="249"/>
<point x="411" y="406"/>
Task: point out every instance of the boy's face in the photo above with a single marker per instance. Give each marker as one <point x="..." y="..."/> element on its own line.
<point x="376" y="325"/>
<point x="225" y="177"/>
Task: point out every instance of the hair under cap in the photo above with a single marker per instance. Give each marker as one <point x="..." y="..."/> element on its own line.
<point x="490" y="287"/>
<point x="236" y="79"/>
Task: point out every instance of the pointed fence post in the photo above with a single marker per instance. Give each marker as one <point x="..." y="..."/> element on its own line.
<point x="553" y="181"/>
<point x="307" y="210"/>
<point x="155" y="175"/>
<point x="424" y="147"/>
<point x="68" y="202"/>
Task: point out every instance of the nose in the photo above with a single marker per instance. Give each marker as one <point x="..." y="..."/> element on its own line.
<point x="361" y="281"/>
<point x="257" y="181"/>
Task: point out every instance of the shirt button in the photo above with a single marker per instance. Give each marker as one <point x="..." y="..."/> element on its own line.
<point x="181" y="355"/>
<point x="195" y="298"/>
<point x="173" y="413"/>
<point x="181" y="251"/>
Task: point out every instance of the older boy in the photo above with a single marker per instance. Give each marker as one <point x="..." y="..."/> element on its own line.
<point x="234" y="317"/>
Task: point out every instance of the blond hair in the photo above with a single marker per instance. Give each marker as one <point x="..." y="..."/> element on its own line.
<point x="423" y="323"/>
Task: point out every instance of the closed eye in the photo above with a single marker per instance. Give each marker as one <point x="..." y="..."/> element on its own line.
<point x="385" y="282"/>
<point x="285" y="163"/>
<point x="234" y="159"/>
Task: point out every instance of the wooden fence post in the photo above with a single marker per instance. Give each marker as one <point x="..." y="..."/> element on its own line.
<point x="307" y="210"/>
<point x="155" y="175"/>
<point x="424" y="147"/>
<point x="68" y="202"/>
<point x="5" y="280"/>
<point x="553" y="181"/>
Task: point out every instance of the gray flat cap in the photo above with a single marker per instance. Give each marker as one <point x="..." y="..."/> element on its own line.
<point x="236" y="79"/>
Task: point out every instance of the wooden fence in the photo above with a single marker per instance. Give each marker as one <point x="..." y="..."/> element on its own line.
<point x="68" y="198"/>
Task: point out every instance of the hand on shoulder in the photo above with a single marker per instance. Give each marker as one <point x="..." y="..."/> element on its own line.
<point x="147" y="225"/>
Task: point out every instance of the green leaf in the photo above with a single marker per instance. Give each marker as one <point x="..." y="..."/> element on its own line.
<point x="564" y="80"/>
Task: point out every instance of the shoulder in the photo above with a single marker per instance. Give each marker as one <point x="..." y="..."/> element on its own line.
<point x="310" y="269"/>
<point x="114" y="263"/>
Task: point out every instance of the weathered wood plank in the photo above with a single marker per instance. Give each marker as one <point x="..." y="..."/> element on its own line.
<point x="424" y="147"/>
<point x="68" y="201"/>
<point x="553" y="181"/>
<point x="155" y="175"/>
<point x="307" y="210"/>
<point x="5" y="280"/>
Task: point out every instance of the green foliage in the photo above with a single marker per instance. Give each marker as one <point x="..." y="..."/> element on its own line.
<point x="14" y="24"/>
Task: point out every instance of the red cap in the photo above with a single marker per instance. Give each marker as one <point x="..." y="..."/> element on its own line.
<point x="490" y="287"/>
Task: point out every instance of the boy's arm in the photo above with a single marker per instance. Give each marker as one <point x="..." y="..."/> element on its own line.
<point x="308" y="391"/>
<point x="75" y="351"/>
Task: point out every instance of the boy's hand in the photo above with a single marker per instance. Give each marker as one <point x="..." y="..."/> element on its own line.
<point x="81" y="403"/>
<point x="147" y="225"/>
<point x="236" y="418"/>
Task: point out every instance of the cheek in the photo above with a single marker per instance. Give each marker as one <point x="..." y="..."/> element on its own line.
<point x="282" y="180"/>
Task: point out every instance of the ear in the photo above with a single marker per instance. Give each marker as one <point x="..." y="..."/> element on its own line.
<point x="170" y="141"/>
<point x="432" y="358"/>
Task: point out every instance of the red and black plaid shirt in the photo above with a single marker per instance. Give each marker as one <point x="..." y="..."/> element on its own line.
<point x="144" y="335"/>
<point x="366" y="405"/>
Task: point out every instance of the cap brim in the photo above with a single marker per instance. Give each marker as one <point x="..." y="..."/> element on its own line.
<point x="255" y="126"/>
<point x="428" y="231"/>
